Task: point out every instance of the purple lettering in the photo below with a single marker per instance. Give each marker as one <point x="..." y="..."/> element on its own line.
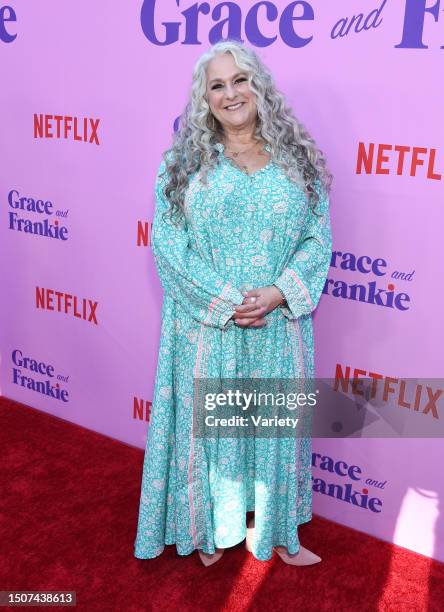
<point x="5" y="36"/>
<point x="147" y="21"/>
<point x="286" y="29"/>
<point x="252" y="28"/>
<point x="233" y="23"/>
<point x="414" y="14"/>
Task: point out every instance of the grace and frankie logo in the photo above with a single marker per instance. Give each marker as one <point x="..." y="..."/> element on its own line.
<point x="373" y="292"/>
<point x="38" y="376"/>
<point x="36" y="216"/>
<point x="352" y="492"/>
<point x="197" y="23"/>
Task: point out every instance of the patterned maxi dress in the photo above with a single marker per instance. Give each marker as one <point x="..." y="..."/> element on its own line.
<point x="241" y="230"/>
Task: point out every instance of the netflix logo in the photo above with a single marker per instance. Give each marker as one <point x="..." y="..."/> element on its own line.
<point x="400" y="392"/>
<point x="143" y="233"/>
<point x="401" y="160"/>
<point x="142" y="409"/>
<point x="66" y="127"/>
<point x="72" y="305"/>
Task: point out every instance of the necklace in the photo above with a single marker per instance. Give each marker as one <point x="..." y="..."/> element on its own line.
<point x="235" y="154"/>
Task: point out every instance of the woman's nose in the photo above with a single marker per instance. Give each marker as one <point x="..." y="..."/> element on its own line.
<point x="230" y="92"/>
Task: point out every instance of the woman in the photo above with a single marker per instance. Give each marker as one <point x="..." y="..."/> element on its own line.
<point x="242" y="243"/>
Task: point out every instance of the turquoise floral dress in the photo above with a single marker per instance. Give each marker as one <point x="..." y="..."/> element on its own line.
<point x="242" y="231"/>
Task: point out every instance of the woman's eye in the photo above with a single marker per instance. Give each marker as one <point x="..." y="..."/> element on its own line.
<point x="239" y="80"/>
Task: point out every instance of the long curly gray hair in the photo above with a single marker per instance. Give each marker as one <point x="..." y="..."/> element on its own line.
<point x="194" y="144"/>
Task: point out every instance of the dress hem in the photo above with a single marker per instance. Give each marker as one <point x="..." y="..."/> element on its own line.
<point x="210" y="552"/>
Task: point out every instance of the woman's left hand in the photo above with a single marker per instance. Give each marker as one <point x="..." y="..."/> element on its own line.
<point x="251" y="313"/>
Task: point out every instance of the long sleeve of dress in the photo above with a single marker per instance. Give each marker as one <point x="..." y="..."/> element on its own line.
<point x="304" y="276"/>
<point x="184" y="275"/>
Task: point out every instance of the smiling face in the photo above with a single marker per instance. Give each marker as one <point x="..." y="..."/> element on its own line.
<point x="228" y="93"/>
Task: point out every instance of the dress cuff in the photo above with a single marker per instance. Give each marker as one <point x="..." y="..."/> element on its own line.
<point x="222" y="308"/>
<point x="295" y="293"/>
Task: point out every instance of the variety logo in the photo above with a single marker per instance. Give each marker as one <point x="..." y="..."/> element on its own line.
<point x="81" y="308"/>
<point x="26" y="372"/>
<point x="368" y="292"/>
<point x="347" y="492"/>
<point x="7" y="13"/>
<point x="229" y="20"/>
<point x="395" y="159"/>
<point x="64" y="126"/>
<point x="39" y="208"/>
<point x="420" y="398"/>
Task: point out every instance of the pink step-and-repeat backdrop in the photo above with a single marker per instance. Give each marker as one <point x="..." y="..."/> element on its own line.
<point x="91" y="93"/>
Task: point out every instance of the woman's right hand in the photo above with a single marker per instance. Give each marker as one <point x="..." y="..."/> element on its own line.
<point x="250" y="314"/>
<point x="257" y="303"/>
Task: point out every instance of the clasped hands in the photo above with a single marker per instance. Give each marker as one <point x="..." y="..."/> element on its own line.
<point x="251" y="313"/>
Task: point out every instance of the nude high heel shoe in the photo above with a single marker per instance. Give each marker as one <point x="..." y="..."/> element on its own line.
<point x="250" y="534"/>
<point x="302" y="557"/>
<point x="208" y="559"/>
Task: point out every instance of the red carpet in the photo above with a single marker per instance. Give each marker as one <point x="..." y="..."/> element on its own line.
<point x="68" y="509"/>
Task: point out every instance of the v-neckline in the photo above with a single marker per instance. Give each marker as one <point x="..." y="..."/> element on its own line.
<point x="221" y="148"/>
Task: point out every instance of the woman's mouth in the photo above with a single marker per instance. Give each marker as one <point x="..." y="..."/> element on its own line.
<point x="233" y="107"/>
